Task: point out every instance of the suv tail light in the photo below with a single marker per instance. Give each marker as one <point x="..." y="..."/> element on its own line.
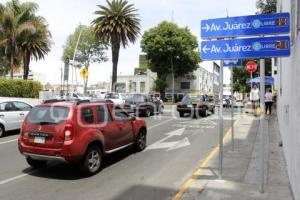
<point x="68" y="132"/>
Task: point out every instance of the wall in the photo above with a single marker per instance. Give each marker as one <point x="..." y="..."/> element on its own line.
<point x="287" y="83"/>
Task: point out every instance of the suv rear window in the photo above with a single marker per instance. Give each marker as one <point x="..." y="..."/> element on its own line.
<point x="48" y="115"/>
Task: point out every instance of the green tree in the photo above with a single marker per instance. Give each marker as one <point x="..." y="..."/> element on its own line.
<point x="35" y="44"/>
<point x="170" y="49"/>
<point x="89" y="50"/>
<point x="266" y="6"/>
<point x="13" y="24"/>
<point x="241" y="76"/>
<point x="119" y="24"/>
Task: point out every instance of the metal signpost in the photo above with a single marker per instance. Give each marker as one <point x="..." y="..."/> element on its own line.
<point x="231" y="64"/>
<point x="255" y="47"/>
<point x="245" y="25"/>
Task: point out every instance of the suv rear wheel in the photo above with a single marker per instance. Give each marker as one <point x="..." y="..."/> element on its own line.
<point x="91" y="163"/>
<point x="1" y="130"/>
<point x="36" y="163"/>
<point x="141" y="141"/>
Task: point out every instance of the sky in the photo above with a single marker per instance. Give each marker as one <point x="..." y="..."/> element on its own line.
<point x="64" y="15"/>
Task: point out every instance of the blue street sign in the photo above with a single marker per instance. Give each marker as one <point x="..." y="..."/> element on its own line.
<point x="233" y="63"/>
<point x="246" y="48"/>
<point x="246" y="25"/>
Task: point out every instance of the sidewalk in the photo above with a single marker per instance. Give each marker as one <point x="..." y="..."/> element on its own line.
<point x="241" y="167"/>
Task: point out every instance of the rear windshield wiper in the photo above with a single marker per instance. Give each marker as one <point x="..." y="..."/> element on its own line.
<point x="46" y="123"/>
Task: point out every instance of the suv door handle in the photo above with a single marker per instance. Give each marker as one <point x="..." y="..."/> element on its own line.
<point x="22" y="114"/>
<point x="1" y="115"/>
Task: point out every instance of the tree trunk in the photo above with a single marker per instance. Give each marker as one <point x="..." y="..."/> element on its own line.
<point x="11" y="66"/>
<point x="26" y="62"/>
<point x="115" y="48"/>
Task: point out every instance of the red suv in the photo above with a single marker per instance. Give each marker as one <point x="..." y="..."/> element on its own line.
<point x="78" y="132"/>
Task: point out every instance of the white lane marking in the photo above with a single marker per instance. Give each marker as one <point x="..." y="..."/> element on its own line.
<point x="12" y="179"/>
<point x="159" y="124"/>
<point x="8" y="141"/>
<point x="161" y="144"/>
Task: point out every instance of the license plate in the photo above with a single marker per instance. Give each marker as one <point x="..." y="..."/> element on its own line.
<point x="133" y="106"/>
<point x="39" y="140"/>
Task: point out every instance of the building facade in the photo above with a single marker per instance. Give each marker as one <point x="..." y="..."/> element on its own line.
<point x="204" y="80"/>
<point x="286" y="72"/>
<point x="141" y="82"/>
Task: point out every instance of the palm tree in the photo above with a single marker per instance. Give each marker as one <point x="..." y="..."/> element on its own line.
<point x="35" y="44"/>
<point x="14" y="23"/>
<point x="119" y="24"/>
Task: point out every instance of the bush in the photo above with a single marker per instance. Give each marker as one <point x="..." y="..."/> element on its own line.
<point x="20" y="88"/>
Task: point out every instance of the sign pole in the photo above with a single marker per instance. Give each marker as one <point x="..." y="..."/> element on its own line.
<point x="261" y="127"/>
<point x="221" y="122"/>
<point x="232" y="111"/>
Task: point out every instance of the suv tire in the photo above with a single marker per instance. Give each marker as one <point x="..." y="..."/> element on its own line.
<point x="2" y="130"/>
<point x="181" y="114"/>
<point x="91" y="163"/>
<point x="36" y="163"/>
<point x="141" y="141"/>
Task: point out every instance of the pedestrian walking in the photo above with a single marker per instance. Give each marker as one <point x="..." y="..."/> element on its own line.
<point x="254" y="98"/>
<point x="269" y="101"/>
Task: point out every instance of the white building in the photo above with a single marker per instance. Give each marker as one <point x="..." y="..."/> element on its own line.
<point x="204" y="80"/>
<point x="287" y="72"/>
<point x="143" y="82"/>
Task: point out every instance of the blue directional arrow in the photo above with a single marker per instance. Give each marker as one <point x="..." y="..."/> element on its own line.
<point x="246" y="48"/>
<point x="246" y="25"/>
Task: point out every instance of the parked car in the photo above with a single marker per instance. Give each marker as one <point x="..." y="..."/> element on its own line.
<point x="145" y="105"/>
<point x="12" y="114"/>
<point x="116" y="98"/>
<point x="195" y="105"/>
<point x="80" y="96"/>
<point x="78" y="132"/>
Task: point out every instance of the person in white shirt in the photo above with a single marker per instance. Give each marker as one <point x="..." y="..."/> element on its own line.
<point x="269" y="101"/>
<point x="254" y="98"/>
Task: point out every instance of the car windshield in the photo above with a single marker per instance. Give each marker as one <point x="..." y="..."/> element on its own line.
<point x="111" y="96"/>
<point x="136" y="98"/>
<point x="192" y="99"/>
<point x="48" y="115"/>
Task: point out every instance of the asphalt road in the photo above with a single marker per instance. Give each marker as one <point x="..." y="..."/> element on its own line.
<point x="175" y="148"/>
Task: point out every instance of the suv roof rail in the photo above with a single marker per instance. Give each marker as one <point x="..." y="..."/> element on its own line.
<point x="82" y="101"/>
<point x="53" y="100"/>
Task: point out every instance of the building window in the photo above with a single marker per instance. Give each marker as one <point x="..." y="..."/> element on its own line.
<point x="185" y="85"/>
<point x="134" y="86"/>
<point x="142" y="87"/>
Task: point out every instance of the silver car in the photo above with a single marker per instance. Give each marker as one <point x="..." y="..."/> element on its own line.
<point x="12" y="114"/>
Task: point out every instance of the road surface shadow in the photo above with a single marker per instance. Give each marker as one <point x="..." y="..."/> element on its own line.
<point x="63" y="171"/>
<point x="11" y="133"/>
<point x="146" y="192"/>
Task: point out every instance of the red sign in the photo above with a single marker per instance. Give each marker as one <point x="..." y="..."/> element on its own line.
<point x="251" y="66"/>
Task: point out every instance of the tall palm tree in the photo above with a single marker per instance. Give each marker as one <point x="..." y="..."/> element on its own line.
<point x="118" y="23"/>
<point x="14" y="23"/>
<point x="35" y="44"/>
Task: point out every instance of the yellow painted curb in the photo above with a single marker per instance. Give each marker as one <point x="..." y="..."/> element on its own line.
<point x="188" y="183"/>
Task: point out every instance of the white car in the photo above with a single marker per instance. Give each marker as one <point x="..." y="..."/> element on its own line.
<point x="12" y="114"/>
<point x="116" y="98"/>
